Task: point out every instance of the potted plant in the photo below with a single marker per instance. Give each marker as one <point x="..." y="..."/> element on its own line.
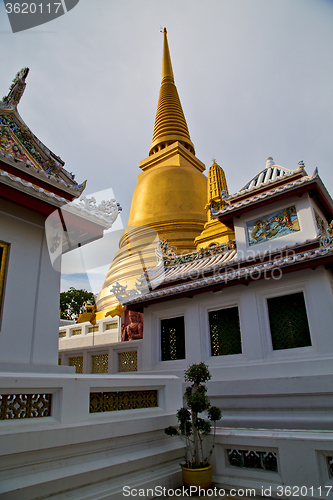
<point x="197" y="471"/>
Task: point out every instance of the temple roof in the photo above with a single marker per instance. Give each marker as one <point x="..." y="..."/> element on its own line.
<point x="170" y="124"/>
<point x="264" y="189"/>
<point x="213" y="274"/>
<point x="18" y="143"/>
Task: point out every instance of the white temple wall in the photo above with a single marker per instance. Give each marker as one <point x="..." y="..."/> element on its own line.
<point x="29" y="326"/>
<point x="78" y="454"/>
<point x="258" y="358"/>
<point x="308" y="229"/>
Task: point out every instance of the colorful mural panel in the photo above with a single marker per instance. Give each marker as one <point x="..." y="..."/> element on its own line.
<point x="273" y="226"/>
<point x="10" y="145"/>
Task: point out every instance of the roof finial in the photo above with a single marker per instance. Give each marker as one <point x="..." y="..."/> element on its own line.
<point x="170" y="124"/>
<point x="269" y="162"/>
<point x="166" y="61"/>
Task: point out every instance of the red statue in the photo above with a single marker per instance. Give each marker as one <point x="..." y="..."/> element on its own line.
<point x="133" y="330"/>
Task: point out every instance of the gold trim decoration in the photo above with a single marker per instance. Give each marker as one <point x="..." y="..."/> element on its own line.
<point x="78" y="363"/>
<point x="14" y="406"/>
<point x="111" y="326"/>
<point x="122" y="400"/>
<point x="100" y="363"/>
<point x="128" y="361"/>
<point x="77" y="331"/>
<point x="4" y="250"/>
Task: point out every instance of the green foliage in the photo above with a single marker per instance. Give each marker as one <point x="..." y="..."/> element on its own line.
<point x="190" y="426"/>
<point x="214" y="413"/>
<point x="198" y="402"/>
<point x="171" y="431"/>
<point x="71" y="302"/>
<point x="183" y="415"/>
<point x="198" y="373"/>
<point x="203" y="426"/>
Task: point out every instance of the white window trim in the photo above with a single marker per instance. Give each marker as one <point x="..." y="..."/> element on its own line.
<point x="279" y="291"/>
<point x="220" y="302"/>
<point x="156" y="339"/>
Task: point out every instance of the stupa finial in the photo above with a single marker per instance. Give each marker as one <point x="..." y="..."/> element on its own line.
<point x="167" y="72"/>
<point x="170" y="124"/>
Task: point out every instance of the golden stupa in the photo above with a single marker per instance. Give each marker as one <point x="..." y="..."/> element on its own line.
<point x="169" y="199"/>
<point x="215" y="232"/>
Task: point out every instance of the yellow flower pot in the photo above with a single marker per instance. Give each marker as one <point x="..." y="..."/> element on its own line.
<point x="198" y="477"/>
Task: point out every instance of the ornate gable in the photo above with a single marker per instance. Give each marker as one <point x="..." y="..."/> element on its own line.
<point x="18" y="142"/>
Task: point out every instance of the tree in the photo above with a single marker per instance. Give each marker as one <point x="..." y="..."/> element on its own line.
<point x="71" y="302"/>
<point x="191" y="427"/>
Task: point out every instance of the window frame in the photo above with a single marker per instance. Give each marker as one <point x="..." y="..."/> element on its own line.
<point x="160" y="337"/>
<point x="220" y="301"/>
<point x="267" y="343"/>
<point x="229" y="306"/>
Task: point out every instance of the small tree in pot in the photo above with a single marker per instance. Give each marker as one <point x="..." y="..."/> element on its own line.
<point x="191" y="427"/>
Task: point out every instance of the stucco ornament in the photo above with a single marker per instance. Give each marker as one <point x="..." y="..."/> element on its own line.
<point x="107" y="209"/>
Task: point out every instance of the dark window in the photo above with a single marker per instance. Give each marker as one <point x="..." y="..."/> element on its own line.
<point x="173" y="338"/>
<point x="225" y="333"/>
<point x="288" y="321"/>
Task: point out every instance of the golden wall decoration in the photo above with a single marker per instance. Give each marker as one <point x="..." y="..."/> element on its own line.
<point x="93" y="329"/>
<point x="14" y="406"/>
<point x="78" y="363"/>
<point x="128" y="361"/>
<point x="100" y="363"/>
<point x="62" y="333"/>
<point x="122" y="400"/>
<point x="111" y="326"/>
<point x="77" y="331"/>
<point x="4" y="251"/>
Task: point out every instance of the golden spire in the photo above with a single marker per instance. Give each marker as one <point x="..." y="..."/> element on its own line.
<point x="216" y="182"/>
<point x="170" y="124"/>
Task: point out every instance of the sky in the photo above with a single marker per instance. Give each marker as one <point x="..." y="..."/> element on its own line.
<point x="254" y="78"/>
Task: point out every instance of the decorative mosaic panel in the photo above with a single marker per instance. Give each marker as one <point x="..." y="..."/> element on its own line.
<point x="321" y="225"/>
<point x="78" y="363"/>
<point x="273" y="226"/>
<point x="12" y="146"/>
<point x="122" y="400"/>
<point x="173" y="338"/>
<point x="92" y="329"/>
<point x="251" y="459"/>
<point x="100" y="363"/>
<point x="288" y="321"/>
<point x="14" y="406"/>
<point x="111" y="326"/>
<point x="225" y="332"/>
<point x="77" y="331"/>
<point x="62" y="333"/>
<point x="128" y="361"/>
<point x="4" y="249"/>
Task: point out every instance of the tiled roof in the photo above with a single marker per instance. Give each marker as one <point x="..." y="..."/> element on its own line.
<point x="245" y="269"/>
<point x="270" y="193"/>
<point x="104" y="215"/>
<point x="41" y="173"/>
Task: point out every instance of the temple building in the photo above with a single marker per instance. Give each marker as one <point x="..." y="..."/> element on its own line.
<point x="169" y="199"/>
<point x="242" y="282"/>
<point x="58" y="439"/>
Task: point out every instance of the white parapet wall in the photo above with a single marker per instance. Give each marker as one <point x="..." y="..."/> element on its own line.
<point x="274" y="463"/>
<point x="77" y="448"/>
<point x="98" y="349"/>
